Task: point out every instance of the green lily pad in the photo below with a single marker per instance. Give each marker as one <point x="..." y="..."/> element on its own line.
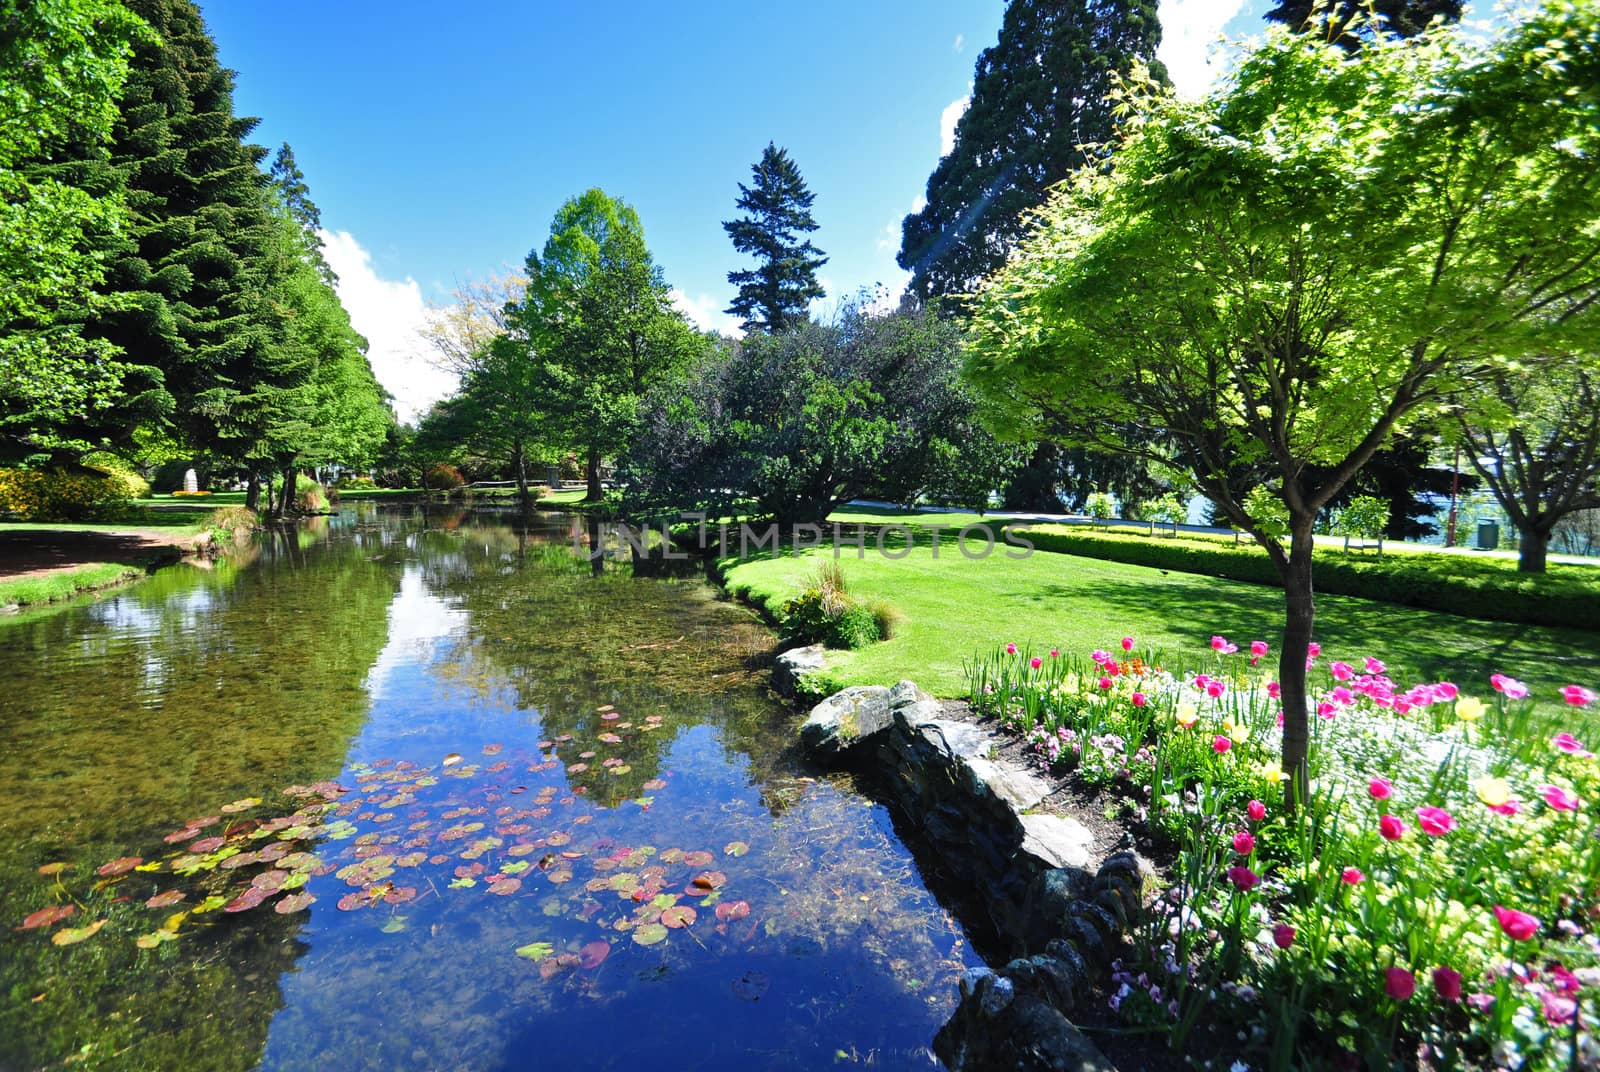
<point x="735" y="848"/>
<point x="74" y="935"/>
<point x="240" y="805"/>
<point x="154" y="938"/>
<point x="650" y="934"/>
<point x="536" y="951"/>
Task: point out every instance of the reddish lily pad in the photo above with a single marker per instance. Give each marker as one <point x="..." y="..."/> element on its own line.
<point x="165" y="899"/>
<point x="654" y="784"/>
<point x="707" y="881"/>
<point x="352" y="901"/>
<point x="492" y="749"/>
<point x="677" y="916"/>
<point x="119" y="867"/>
<point x="209" y="844"/>
<point x="182" y="835"/>
<point x="698" y="858"/>
<point x="270" y="881"/>
<point x="594" y="954"/>
<point x="250" y="898"/>
<point x="47" y="916"/>
<point x="505" y="887"/>
<point x="728" y="911"/>
<point x="294" y="903"/>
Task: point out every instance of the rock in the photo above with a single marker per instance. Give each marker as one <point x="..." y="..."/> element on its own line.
<point x="793" y="665"/>
<point x="1127" y="864"/>
<point x="956" y="740"/>
<point x="1050" y="897"/>
<point x="1119" y="895"/>
<point x="1056" y="840"/>
<point x="1040" y="1039"/>
<point x="1016" y="787"/>
<point x="994" y="993"/>
<point x="906" y="693"/>
<point x="845" y="719"/>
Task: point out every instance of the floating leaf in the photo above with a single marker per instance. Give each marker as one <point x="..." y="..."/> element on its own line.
<point x="452" y="759"/>
<point x="210" y="904"/>
<point x="707" y="881"/>
<point x="270" y="881"/>
<point x="698" y="858"/>
<point x="516" y="868"/>
<point x="466" y="882"/>
<point x="54" y="869"/>
<point x="492" y="749"/>
<point x="577" y="768"/>
<point x="393" y="924"/>
<point x="352" y="901"/>
<point x="154" y="938"/>
<point x="556" y="965"/>
<point x="650" y="934"/>
<point x="165" y="899"/>
<point x="252" y="896"/>
<point x="294" y="903"/>
<point x="536" y="951"/>
<point x="559" y="875"/>
<point x="621" y="768"/>
<point x="736" y="848"/>
<point x="74" y="935"/>
<point x="118" y="867"/>
<point x="505" y="887"/>
<point x="594" y="954"/>
<point x="210" y="844"/>
<point x="181" y="835"/>
<point x="46" y="916"/>
<point x="240" y="805"/>
<point x="728" y="911"/>
<point x="677" y="916"/>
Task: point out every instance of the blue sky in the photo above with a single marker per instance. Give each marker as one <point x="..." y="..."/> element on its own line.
<point x="438" y="144"/>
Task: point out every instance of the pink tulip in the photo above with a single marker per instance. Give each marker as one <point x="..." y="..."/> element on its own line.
<point x="1256" y="810"/>
<point x="1341" y="671"/>
<point x="1274" y="690"/>
<point x="1447" y="984"/>
<point x="1446" y="691"/>
<point x="1399" y="983"/>
<point x="1036" y="662"/>
<point x="1577" y="695"/>
<point x="1352" y="876"/>
<point x="1258" y="648"/>
<point x="1105" y="683"/>
<point x="1374" y="666"/>
<point x="1220" y="744"/>
<point x="1283" y="936"/>
<point x="1139" y="699"/>
<point x="1243" y="843"/>
<point x="1313" y="649"/>
<point x="1391" y="828"/>
<point x="1435" y="821"/>
<point x="1011" y="649"/>
<point x="1055" y="653"/>
<point x="1569" y="744"/>
<point x="1127" y="643"/>
<point x="1560" y="799"/>
<point x="1243" y="878"/>
<point x="1514" y="689"/>
<point x="1215" y="689"/>
<point x="1380" y="789"/>
<point x="1519" y="926"/>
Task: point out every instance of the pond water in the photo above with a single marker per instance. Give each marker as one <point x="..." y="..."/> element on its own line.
<point x="422" y="789"/>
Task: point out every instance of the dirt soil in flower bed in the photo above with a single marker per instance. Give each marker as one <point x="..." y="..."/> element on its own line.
<point x="1127" y="1047"/>
<point x="26" y="553"/>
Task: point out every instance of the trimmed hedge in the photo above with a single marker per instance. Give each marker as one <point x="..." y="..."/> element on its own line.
<point x="1451" y="584"/>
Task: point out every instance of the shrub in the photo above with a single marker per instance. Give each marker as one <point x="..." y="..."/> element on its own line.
<point x="232" y="524"/>
<point x="357" y="482"/>
<point x="1364" y="518"/>
<point x="443" y="477"/>
<point x="120" y="470"/>
<point x="309" y="496"/>
<point x="887" y="616"/>
<point x="1452" y="584"/>
<point x="1100" y="506"/>
<point x="36" y="495"/>
<point x="824" y="613"/>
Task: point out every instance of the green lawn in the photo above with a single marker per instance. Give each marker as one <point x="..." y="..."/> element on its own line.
<point x="955" y="606"/>
<point x="179" y="523"/>
<point x="32" y="591"/>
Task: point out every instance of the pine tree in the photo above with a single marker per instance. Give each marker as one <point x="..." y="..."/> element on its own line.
<point x="1334" y="17"/>
<point x="194" y="271"/>
<point x="1038" y="104"/>
<point x="295" y="193"/>
<point x="777" y="212"/>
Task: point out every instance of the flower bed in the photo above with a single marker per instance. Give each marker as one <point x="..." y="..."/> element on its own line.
<point x="1432" y="906"/>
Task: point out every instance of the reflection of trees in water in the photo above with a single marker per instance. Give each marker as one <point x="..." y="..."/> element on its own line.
<point x="129" y="716"/>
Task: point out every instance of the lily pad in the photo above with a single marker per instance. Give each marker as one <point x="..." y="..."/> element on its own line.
<point x="250" y="898"/>
<point x="154" y="938"/>
<point x="209" y="844"/>
<point x="505" y="887"/>
<point x="270" y="881"/>
<point x="240" y="805"/>
<point x="728" y="911"/>
<point x="650" y="934"/>
<point x="359" y="899"/>
<point x="182" y="835"/>
<point x="492" y="749"/>
<point x="74" y="935"/>
<point x="698" y="858"/>
<point x="165" y="899"/>
<point x="119" y="867"/>
<point x="536" y="951"/>
<point x="594" y="954"/>
<point x="46" y="916"/>
<point x="736" y="848"/>
<point x="294" y="903"/>
<point x="706" y="881"/>
<point x="677" y="916"/>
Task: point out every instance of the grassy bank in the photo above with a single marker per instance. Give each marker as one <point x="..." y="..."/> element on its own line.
<point x="955" y="607"/>
<point x="32" y="591"/>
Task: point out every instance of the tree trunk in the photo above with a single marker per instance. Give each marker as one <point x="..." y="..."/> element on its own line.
<point x="1298" y="623"/>
<point x="252" y="493"/>
<point x="596" y="492"/>
<point x="521" y="464"/>
<point x="286" y="498"/>
<point x="1535" y="550"/>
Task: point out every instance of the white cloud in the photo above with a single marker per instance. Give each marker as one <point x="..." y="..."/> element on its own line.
<point x="918" y="203"/>
<point x="960" y="43"/>
<point x="389" y="313"/>
<point x="947" y="123"/>
<point x="1190" y="33"/>
<point x="705" y="312"/>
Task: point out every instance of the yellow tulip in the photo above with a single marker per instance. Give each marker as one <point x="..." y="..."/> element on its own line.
<point x="1494" y="792"/>
<point x="1186" y="715"/>
<point x="1470" y="709"/>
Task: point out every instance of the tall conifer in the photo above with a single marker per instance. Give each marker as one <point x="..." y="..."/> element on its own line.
<point x="777" y="213"/>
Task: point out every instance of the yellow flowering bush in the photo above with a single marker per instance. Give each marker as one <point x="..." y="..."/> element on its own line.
<point x="36" y="495"/>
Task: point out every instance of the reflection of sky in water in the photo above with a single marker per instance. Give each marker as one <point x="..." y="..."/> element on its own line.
<point x="418" y="620"/>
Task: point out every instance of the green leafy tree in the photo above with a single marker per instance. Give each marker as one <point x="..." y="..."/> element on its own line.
<point x="62" y="65"/>
<point x="1208" y="289"/>
<point x="599" y="325"/>
<point x="1348" y="23"/>
<point x="1040" y="105"/>
<point x="296" y="194"/>
<point x="1535" y="442"/>
<point x="777" y="214"/>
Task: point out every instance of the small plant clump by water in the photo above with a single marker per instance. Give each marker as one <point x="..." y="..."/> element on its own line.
<point x="232" y="525"/>
<point x="1434" y="905"/>
<point x="825" y="613"/>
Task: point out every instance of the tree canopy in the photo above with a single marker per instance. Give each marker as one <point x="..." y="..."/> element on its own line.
<point x="1321" y="254"/>
<point x="777" y="214"/>
<point x="1040" y="108"/>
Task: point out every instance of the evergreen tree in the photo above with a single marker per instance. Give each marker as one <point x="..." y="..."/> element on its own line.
<point x="777" y="212"/>
<point x="193" y="272"/>
<point x="296" y="195"/>
<point x="1039" y="106"/>
<point x="1334" y="18"/>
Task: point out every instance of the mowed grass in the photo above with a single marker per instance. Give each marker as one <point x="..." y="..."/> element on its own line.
<point x="955" y="607"/>
<point x="64" y="584"/>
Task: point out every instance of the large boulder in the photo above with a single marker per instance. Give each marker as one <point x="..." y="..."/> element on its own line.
<point x="793" y="665"/>
<point x="845" y="719"/>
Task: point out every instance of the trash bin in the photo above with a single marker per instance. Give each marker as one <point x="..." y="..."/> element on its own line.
<point x="1488" y="535"/>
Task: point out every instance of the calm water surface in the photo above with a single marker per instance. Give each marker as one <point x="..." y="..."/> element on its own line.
<point x="417" y="789"/>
